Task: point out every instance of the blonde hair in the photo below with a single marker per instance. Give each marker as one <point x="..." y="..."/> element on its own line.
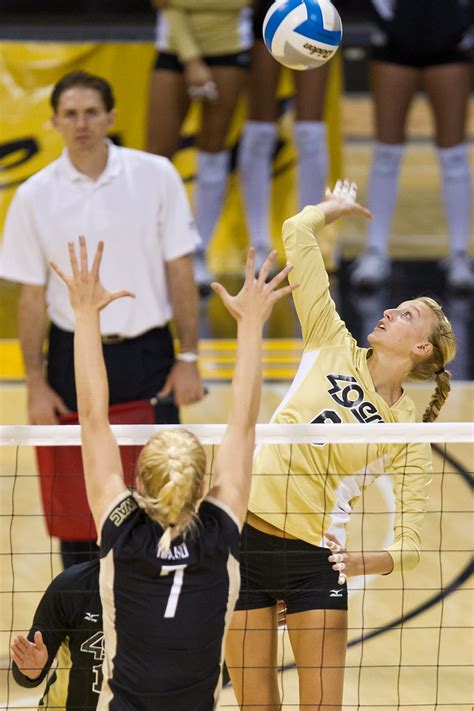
<point x="433" y="367"/>
<point x="171" y="468"/>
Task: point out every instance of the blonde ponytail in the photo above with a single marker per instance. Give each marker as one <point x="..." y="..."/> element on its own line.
<point x="171" y="469"/>
<point x="438" y="398"/>
<point x="433" y="367"/>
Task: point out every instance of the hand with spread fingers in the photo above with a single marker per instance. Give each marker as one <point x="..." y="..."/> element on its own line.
<point x="257" y="297"/>
<point x="85" y="289"/>
<point x="30" y="657"/>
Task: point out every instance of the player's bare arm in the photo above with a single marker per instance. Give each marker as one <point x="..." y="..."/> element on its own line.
<point x="251" y="307"/>
<point x="100" y="452"/>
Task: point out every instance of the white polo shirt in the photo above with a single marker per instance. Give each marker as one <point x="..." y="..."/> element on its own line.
<point x="138" y="207"/>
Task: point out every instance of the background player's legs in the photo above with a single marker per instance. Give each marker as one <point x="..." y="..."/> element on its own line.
<point x="310" y="134"/>
<point x="318" y="639"/>
<point x="447" y="87"/>
<point x="393" y="87"/>
<point x="251" y="658"/>
<point x="257" y="145"/>
<point x="213" y="160"/>
<point x="167" y="108"/>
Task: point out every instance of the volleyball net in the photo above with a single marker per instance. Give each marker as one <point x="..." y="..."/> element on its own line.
<point x="410" y="633"/>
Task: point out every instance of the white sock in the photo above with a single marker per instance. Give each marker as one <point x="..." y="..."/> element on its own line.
<point x="310" y="140"/>
<point x="457" y="194"/>
<point x="211" y="187"/>
<point x="383" y="191"/>
<point x="255" y="170"/>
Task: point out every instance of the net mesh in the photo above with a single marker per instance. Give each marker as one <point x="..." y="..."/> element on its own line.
<point x="410" y="633"/>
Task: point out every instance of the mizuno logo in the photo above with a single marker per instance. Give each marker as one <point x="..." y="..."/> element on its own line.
<point x="335" y="593"/>
<point x="91" y="617"/>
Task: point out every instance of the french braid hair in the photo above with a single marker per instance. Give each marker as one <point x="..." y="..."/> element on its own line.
<point x="171" y="468"/>
<point x="444" y="349"/>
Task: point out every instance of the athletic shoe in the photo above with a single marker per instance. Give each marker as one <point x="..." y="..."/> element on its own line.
<point x="202" y="275"/>
<point x="459" y="274"/>
<point x="370" y="270"/>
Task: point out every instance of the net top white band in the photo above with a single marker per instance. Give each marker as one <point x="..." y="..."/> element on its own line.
<point x="401" y="433"/>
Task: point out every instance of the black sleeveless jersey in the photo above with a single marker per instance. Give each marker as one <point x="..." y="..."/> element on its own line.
<point x="424" y="26"/>
<point x="69" y="616"/>
<point x="165" y="616"/>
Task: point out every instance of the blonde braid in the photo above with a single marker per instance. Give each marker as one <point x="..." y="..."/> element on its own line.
<point x="433" y="367"/>
<point x="171" y="468"/>
<point x="438" y="398"/>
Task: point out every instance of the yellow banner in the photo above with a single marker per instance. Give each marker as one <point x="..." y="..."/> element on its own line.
<point x="28" y="142"/>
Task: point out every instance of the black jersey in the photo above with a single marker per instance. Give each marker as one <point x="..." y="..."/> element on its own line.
<point x="423" y="27"/>
<point x="165" y="616"/>
<point x="69" y="616"/>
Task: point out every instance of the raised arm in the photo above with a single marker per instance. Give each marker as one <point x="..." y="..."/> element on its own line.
<point x="100" y="452"/>
<point x="320" y="323"/>
<point x="250" y="307"/>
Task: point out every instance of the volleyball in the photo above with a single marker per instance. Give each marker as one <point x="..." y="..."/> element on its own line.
<point x="302" y="34"/>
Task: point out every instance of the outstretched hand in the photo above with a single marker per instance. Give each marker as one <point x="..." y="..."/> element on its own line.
<point x="256" y="298"/>
<point x="342" y="202"/>
<point x="30" y="657"/>
<point x="85" y="288"/>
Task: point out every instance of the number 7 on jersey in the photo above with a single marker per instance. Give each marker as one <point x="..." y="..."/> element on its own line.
<point x="175" y="591"/>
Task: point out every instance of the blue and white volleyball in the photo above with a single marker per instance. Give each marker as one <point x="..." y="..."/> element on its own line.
<point x="302" y="34"/>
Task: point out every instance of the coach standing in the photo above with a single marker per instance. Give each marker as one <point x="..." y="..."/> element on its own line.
<point x="135" y="202"/>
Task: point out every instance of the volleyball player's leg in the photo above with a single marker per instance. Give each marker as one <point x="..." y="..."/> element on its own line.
<point x="310" y="134"/>
<point x="318" y="639"/>
<point x="217" y="115"/>
<point x="447" y="87"/>
<point x="213" y="159"/>
<point x="393" y="88"/>
<point x="168" y="103"/>
<point x="263" y="84"/>
<point x="251" y="658"/>
<point x="257" y="146"/>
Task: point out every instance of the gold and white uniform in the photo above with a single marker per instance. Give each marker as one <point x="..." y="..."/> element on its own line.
<point x="309" y="490"/>
<point x="199" y="28"/>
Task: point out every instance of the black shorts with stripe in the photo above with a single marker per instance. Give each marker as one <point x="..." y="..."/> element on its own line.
<point x="274" y="568"/>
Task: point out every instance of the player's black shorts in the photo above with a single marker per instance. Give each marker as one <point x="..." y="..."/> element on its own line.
<point x="260" y="10"/>
<point x="398" y="55"/>
<point x="274" y="568"/>
<point x="170" y="62"/>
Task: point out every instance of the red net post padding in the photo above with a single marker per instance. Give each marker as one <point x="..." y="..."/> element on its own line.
<point x="63" y="491"/>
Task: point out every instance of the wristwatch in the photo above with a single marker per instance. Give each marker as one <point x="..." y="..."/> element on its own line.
<point x="187" y="357"/>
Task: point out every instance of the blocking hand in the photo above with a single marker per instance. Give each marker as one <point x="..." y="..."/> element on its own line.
<point x="256" y="298"/>
<point x="85" y="288"/>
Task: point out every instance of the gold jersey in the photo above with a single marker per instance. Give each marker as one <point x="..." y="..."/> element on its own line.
<point x="309" y="490"/>
<point x="198" y="28"/>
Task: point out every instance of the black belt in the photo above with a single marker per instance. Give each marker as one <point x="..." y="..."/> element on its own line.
<point x="113" y="339"/>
